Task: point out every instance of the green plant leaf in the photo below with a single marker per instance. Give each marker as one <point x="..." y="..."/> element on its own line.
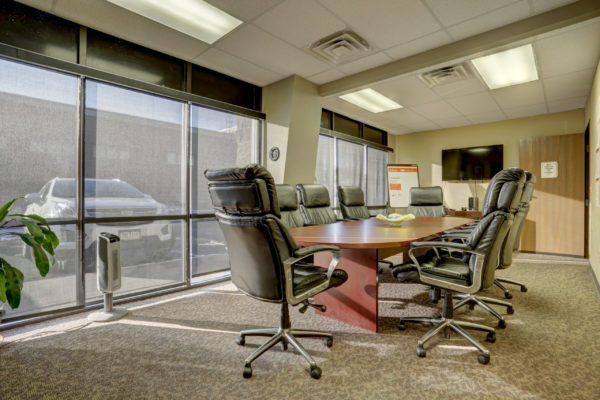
<point x="35" y="231"/>
<point x="40" y="256"/>
<point x="2" y="284"/>
<point x="13" y="284"/>
<point x="32" y="216"/>
<point x="5" y="208"/>
<point x="51" y="237"/>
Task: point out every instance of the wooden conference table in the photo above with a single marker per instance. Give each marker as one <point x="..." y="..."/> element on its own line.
<point x="362" y="243"/>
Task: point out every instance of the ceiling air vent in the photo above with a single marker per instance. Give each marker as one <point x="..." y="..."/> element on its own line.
<point x="341" y="47"/>
<point x="442" y="76"/>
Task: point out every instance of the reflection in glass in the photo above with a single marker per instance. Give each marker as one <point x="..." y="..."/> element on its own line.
<point x="151" y="255"/>
<point x="133" y="153"/>
<point x="58" y="288"/>
<point x="209" y="253"/>
<point x="218" y="140"/>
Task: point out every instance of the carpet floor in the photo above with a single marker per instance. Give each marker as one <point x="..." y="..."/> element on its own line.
<point x="183" y="347"/>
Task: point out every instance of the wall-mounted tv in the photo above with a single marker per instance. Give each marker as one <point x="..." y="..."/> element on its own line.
<point x="472" y="164"/>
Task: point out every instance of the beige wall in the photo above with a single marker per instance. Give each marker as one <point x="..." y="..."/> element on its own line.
<point x="425" y="148"/>
<point x="592" y="116"/>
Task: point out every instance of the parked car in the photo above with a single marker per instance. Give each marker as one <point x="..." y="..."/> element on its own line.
<point x="141" y="241"/>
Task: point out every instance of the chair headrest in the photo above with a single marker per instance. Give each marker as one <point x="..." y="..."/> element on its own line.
<point x="527" y="194"/>
<point x="422" y="196"/>
<point x="351" y="196"/>
<point x="490" y="202"/>
<point x="509" y="197"/>
<point x="248" y="190"/>
<point x="529" y="177"/>
<point x="287" y="197"/>
<point x="312" y="195"/>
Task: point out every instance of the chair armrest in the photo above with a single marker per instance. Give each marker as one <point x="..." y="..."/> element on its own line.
<point x="449" y="245"/>
<point x="302" y="252"/>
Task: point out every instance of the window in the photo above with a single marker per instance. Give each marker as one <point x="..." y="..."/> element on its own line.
<point x="353" y="165"/>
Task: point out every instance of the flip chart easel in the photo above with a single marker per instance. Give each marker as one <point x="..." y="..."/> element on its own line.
<point x="401" y="177"/>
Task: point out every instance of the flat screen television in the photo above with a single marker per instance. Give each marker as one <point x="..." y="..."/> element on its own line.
<point x="472" y="164"/>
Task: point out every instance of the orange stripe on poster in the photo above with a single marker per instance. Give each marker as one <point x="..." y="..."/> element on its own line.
<point x="410" y="169"/>
<point x="395" y="186"/>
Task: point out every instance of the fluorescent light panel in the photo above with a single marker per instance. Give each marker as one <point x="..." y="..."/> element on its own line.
<point x="195" y="18"/>
<point x="371" y="100"/>
<point x="507" y="68"/>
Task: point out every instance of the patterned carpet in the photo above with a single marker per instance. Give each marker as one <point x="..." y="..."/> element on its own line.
<point x="183" y="347"/>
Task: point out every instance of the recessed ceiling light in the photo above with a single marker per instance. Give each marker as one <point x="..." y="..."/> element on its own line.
<point x="371" y="100"/>
<point x="195" y="18"/>
<point x="507" y="68"/>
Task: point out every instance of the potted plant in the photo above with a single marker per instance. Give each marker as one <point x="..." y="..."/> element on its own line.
<point x="36" y="235"/>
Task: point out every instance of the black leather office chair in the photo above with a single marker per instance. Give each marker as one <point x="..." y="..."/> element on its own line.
<point x="514" y="235"/>
<point x="264" y="256"/>
<point x="314" y="204"/>
<point x="288" y="205"/>
<point x="457" y="275"/>
<point x="426" y="202"/>
<point x="352" y="203"/>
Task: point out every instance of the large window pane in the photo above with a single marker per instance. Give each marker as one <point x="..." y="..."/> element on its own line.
<point x="151" y="255"/>
<point x="209" y="253"/>
<point x="38" y="142"/>
<point x="325" y="171"/>
<point x="350" y="164"/>
<point x="376" y="177"/>
<point x="218" y="140"/>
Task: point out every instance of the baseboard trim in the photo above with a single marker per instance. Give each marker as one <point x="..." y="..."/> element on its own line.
<point x="594" y="279"/>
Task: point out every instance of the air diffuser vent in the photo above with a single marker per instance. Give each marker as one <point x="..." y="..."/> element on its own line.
<point x="445" y="75"/>
<point x="341" y="47"/>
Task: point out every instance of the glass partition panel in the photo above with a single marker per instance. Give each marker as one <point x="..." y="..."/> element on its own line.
<point x="218" y="140"/>
<point x="325" y="170"/>
<point x="350" y="164"/>
<point x="38" y="142"/>
<point x="208" y="250"/>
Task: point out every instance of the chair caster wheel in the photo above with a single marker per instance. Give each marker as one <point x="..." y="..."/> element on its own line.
<point x="491" y="337"/>
<point x="510" y="310"/>
<point x="483" y="358"/>
<point x="501" y="324"/>
<point x="508" y="295"/>
<point x="328" y="341"/>
<point x="247" y="371"/>
<point x="315" y="372"/>
<point x="523" y="289"/>
<point x="241" y="340"/>
<point x="401" y="326"/>
<point x="421" y="351"/>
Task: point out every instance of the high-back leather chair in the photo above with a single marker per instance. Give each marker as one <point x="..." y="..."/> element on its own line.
<point x="468" y="275"/>
<point x="514" y="235"/>
<point x="314" y="204"/>
<point x="426" y="202"/>
<point x="264" y="256"/>
<point x="288" y="205"/>
<point x="352" y="203"/>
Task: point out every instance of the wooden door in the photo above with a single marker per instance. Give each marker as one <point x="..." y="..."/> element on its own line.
<point x="556" y="219"/>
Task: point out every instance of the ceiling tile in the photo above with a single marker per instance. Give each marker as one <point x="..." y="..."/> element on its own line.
<point x="482" y="118"/>
<point x="453" y="12"/>
<point x="365" y="63"/>
<point x="225" y="63"/>
<point x="113" y="20"/>
<point x="522" y="95"/>
<point x="460" y="88"/>
<point x="259" y="47"/>
<point x="405" y="117"/>
<point x="408" y="91"/>
<point x="576" y="84"/>
<point x="436" y="110"/>
<point x="491" y="20"/>
<point x="558" y="55"/>
<point x="474" y="103"/>
<point x="245" y="10"/>
<point x="539" y="6"/>
<point x="452" y="122"/>
<point x="385" y="23"/>
<point x="290" y="21"/>
<point x="567" y="104"/>
<point x="525" y="111"/>
<point x="326" y="76"/>
<point x="419" y="45"/>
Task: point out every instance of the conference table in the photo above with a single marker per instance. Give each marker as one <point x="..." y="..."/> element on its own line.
<point x="361" y="244"/>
